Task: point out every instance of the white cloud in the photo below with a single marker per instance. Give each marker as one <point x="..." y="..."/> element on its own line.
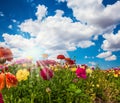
<point x="85" y="44"/>
<point x="41" y="12"/>
<point x="1" y="14"/>
<point x="58" y="32"/>
<point x="104" y="54"/>
<point x="14" y="21"/>
<point x="107" y="56"/>
<point x="22" y="47"/>
<point x="95" y="37"/>
<point x="92" y="63"/>
<point x="17" y="41"/>
<point x="53" y="34"/>
<point x="111" y="58"/>
<point x="3" y="44"/>
<point x="94" y="13"/>
<point x="86" y="57"/>
<point x="111" y="42"/>
<point x="61" y="0"/>
<point x="10" y="26"/>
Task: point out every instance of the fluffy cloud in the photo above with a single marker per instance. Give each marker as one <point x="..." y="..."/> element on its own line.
<point x="10" y="26"/>
<point x="92" y="63"/>
<point x="61" y="0"/>
<point x="85" y="44"/>
<point x="14" y="21"/>
<point x="56" y="34"/>
<point x="17" y="41"/>
<point x="3" y="44"/>
<point x="1" y="14"/>
<point x="111" y="58"/>
<point x="104" y="54"/>
<point x="94" y="13"/>
<point x="111" y="42"/>
<point x="107" y="56"/>
<point x="41" y="12"/>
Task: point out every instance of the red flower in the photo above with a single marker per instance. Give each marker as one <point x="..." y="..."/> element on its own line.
<point x="81" y="73"/>
<point x="5" y="53"/>
<point x="3" y="68"/>
<point x="7" y="79"/>
<point x="60" y="56"/>
<point x="11" y="80"/>
<point x="70" y="61"/>
<point x="2" y="81"/>
<point x="67" y="59"/>
<point x="1" y="98"/>
<point x="46" y="73"/>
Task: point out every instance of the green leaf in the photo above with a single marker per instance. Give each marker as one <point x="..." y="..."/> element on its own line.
<point x="78" y="91"/>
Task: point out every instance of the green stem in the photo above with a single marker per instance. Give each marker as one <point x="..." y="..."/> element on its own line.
<point x="49" y="98"/>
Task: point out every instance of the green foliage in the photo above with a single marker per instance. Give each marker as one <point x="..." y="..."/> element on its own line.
<point x="97" y="88"/>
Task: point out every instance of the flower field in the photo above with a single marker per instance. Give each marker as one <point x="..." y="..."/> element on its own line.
<point x="48" y="81"/>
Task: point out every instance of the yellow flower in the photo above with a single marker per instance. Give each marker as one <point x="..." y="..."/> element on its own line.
<point x="53" y="68"/>
<point x="73" y="69"/>
<point x="22" y="74"/>
<point x="89" y="71"/>
<point x="115" y="75"/>
<point x="56" y="69"/>
<point x="97" y="85"/>
<point x="93" y="85"/>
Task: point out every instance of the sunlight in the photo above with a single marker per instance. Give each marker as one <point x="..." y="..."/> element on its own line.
<point x="34" y="53"/>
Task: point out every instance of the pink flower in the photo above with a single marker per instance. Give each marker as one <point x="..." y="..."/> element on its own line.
<point x="81" y="73"/>
<point x="1" y="98"/>
<point x="46" y="73"/>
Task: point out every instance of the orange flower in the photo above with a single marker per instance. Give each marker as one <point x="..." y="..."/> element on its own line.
<point x="11" y="80"/>
<point x="2" y="79"/>
<point x="6" y="53"/>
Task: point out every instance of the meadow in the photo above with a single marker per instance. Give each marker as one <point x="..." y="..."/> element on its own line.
<point x="48" y="81"/>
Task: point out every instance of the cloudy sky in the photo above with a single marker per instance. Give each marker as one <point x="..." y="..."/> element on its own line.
<point x="85" y="30"/>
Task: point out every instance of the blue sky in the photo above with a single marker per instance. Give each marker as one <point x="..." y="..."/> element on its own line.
<point x="88" y="31"/>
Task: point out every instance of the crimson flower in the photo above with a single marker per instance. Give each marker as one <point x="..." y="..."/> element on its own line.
<point x="60" y="56"/>
<point x="5" y="54"/>
<point x="7" y="80"/>
<point x="81" y="73"/>
<point x="46" y="73"/>
<point x="11" y="80"/>
<point x="1" y="98"/>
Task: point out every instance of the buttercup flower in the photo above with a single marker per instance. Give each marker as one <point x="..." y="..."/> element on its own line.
<point x="7" y="79"/>
<point x="22" y="74"/>
<point x="97" y="85"/>
<point x="73" y="69"/>
<point x="2" y="79"/>
<point x="81" y="73"/>
<point x="6" y="54"/>
<point x="46" y="73"/>
<point x="11" y="80"/>
<point x="1" y="98"/>
<point x="89" y="71"/>
<point x="60" y="56"/>
<point x="115" y="75"/>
